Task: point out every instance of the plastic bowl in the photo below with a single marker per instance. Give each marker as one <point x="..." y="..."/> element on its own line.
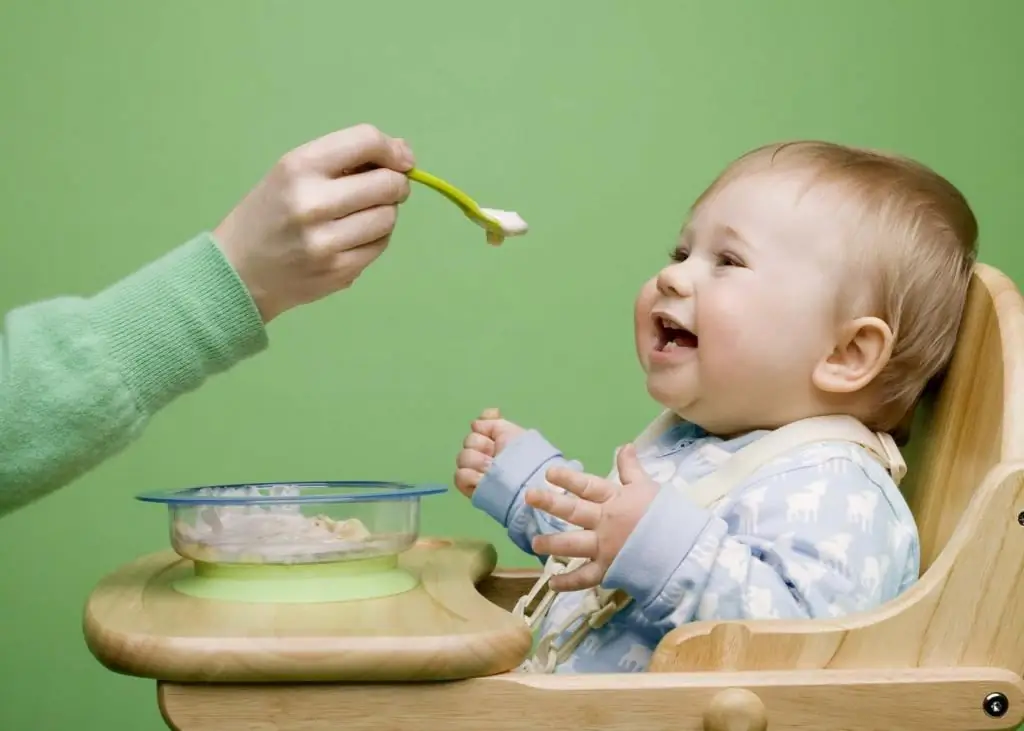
<point x="293" y="523"/>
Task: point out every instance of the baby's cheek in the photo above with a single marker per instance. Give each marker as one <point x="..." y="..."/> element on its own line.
<point x="642" y="325"/>
<point x="731" y="342"/>
<point x="723" y="325"/>
<point x="640" y="314"/>
<point x="645" y="300"/>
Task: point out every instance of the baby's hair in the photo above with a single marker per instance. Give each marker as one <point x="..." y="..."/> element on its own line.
<point x="913" y="239"/>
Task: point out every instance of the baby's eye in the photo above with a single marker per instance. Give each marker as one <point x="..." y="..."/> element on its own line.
<point x="728" y="260"/>
<point x="678" y="255"/>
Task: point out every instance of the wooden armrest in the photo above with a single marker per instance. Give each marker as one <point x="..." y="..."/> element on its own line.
<point x="935" y="699"/>
<point x="504" y="587"/>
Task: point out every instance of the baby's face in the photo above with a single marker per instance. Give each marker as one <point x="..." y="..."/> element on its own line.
<point x="731" y="329"/>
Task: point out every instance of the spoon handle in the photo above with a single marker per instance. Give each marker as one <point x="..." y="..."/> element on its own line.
<point x="449" y="191"/>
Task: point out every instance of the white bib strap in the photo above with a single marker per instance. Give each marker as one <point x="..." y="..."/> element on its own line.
<point x="711" y="488"/>
<point x="599" y="605"/>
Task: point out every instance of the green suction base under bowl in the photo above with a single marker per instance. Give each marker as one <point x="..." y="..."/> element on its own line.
<point x="341" y="581"/>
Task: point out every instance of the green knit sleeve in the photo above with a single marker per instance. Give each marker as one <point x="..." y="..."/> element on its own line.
<point x="81" y="377"/>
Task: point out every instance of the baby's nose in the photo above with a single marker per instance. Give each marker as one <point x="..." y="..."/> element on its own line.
<point x="675" y="281"/>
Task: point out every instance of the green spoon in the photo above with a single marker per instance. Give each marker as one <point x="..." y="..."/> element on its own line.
<point x="498" y="224"/>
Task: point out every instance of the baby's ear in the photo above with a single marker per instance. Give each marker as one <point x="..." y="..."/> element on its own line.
<point x="862" y="349"/>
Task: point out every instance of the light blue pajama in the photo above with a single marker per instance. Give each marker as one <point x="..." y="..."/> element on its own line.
<point x="820" y="532"/>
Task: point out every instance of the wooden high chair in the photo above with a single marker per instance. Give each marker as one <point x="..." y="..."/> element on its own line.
<point x="948" y="654"/>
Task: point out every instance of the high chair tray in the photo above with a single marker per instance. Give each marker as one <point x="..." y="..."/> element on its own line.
<point x="137" y="624"/>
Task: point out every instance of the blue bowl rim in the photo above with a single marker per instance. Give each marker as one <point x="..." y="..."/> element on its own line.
<point x="376" y="491"/>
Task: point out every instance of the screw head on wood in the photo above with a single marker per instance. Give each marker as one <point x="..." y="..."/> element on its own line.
<point x="1020" y="517"/>
<point x="996" y="705"/>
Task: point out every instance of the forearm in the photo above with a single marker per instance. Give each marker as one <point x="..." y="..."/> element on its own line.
<point x="521" y="466"/>
<point x="81" y="377"/>
<point x="726" y="577"/>
<point x="685" y="563"/>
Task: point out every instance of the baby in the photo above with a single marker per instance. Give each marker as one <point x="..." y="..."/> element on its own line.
<point x="811" y="280"/>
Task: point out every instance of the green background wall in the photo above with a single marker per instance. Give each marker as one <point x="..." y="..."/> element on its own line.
<point x="127" y="126"/>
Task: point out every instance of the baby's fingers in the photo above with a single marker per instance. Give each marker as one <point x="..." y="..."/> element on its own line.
<point x="466" y="480"/>
<point x="570" y="508"/>
<point x="490" y="428"/>
<point x="586" y="486"/>
<point x="480" y="443"/>
<point x="568" y="544"/>
<point x="474" y="460"/>
<point x="588" y="575"/>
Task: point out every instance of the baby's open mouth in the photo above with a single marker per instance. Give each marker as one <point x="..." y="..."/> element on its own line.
<point x="672" y="335"/>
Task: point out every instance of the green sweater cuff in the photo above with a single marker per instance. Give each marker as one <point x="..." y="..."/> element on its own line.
<point x="175" y="322"/>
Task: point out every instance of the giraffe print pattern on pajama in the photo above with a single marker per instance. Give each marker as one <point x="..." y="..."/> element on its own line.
<point x="820" y="532"/>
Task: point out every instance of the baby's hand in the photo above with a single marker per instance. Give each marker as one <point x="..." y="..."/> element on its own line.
<point x="489" y="436"/>
<point x="606" y="512"/>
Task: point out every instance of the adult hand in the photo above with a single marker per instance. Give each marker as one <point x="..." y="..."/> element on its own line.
<point x="321" y="216"/>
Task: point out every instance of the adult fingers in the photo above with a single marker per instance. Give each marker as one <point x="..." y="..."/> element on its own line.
<point x="344" y="236"/>
<point x="345" y="268"/>
<point x="351" y="262"/>
<point x="327" y="200"/>
<point x="585" y="486"/>
<point x="569" y="508"/>
<point x="351" y="147"/>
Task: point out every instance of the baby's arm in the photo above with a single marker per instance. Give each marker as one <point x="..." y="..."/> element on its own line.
<point x="521" y="465"/>
<point x="815" y="541"/>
